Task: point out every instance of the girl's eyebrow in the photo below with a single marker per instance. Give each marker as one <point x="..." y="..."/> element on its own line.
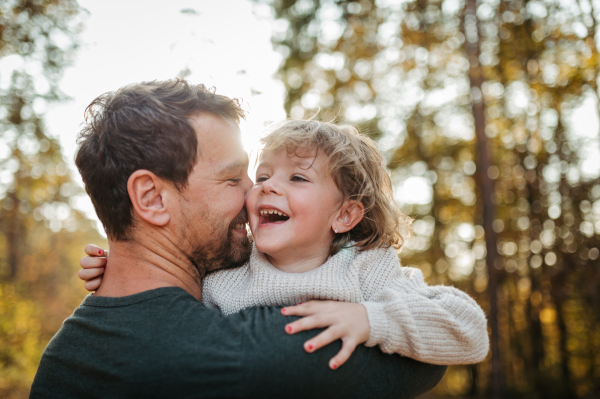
<point x="263" y="164"/>
<point x="305" y="163"/>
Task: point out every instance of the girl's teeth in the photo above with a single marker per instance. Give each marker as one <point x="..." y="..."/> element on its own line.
<point x="271" y="212"/>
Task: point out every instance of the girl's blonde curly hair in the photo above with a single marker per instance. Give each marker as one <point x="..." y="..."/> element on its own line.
<point x="359" y="172"/>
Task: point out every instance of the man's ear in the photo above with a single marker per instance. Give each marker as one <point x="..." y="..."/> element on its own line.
<point x="349" y="215"/>
<point x="148" y="194"/>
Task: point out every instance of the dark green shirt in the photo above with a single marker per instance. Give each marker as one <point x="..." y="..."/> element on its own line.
<point x="164" y="343"/>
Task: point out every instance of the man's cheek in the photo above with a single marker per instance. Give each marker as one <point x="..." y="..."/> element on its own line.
<point x="238" y="202"/>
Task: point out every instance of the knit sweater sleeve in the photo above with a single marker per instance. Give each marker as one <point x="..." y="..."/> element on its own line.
<point x="433" y="324"/>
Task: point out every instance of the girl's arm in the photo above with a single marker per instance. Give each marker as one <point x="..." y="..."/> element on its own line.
<point x="432" y="324"/>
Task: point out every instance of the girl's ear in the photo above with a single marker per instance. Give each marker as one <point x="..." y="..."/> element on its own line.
<point x="350" y="214"/>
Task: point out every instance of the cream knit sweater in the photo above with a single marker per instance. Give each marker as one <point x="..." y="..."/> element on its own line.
<point x="437" y="324"/>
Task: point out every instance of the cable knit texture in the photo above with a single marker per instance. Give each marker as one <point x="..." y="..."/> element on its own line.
<point x="433" y="324"/>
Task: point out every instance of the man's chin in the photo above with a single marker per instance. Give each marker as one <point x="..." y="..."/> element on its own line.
<point x="230" y="252"/>
<point x="241" y="248"/>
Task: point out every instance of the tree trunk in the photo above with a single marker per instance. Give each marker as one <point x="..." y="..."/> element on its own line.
<point x="591" y="42"/>
<point x="12" y="236"/>
<point x="470" y="27"/>
<point x="566" y="382"/>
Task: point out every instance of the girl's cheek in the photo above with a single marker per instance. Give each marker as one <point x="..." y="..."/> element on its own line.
<point x="252" y="224"/>
<point x="261" y="246"/>
<point x="252" y="197"/>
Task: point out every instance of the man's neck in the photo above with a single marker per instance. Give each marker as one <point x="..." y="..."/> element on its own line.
<point x="144" y="264"/>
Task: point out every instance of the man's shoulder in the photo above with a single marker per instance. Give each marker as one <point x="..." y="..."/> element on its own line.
<point x="158" y="314"/>
<point x="157" y="341"/>
<point x="167" y="344"/>
<point x="143" y="309"/>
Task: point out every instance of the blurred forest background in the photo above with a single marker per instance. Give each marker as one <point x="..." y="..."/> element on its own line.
<point x="41" y="233"/>
<point x="487" y="112"/>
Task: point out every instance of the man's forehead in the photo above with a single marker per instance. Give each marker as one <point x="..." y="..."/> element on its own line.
<point x="224" y="161"/>
<point x="214" y="131"/>
<point x="220" y="149"/>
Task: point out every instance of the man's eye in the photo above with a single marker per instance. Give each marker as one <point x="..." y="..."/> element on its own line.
<point x="298" y="178"/>
<point x="236" y="180"/>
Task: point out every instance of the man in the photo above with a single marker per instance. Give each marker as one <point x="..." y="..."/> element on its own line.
<point x="164" y="166"/>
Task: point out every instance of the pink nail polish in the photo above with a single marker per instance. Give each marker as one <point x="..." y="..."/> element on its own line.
<point x="309" y="347"/>
<point x="300" y="303"/>
<point x="99" y="252"/>
<point x="283" y="310"/>
<point x="288" y="329"/>
<point x="334" y="366"/>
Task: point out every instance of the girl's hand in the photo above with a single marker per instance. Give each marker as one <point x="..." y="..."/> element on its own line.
<point x="93" y="267"/>
<point x="345" y="321"/>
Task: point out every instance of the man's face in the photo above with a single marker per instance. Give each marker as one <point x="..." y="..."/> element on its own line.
<point x="213" y="216"/>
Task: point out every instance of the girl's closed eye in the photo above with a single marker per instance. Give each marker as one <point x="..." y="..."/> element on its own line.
<point x="262" y="178"/>
<point x="297" y="178"/>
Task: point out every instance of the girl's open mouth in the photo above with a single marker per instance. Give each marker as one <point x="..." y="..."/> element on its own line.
<point x="272" y="216"/>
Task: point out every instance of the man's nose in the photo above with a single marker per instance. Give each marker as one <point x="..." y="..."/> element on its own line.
<point x="247" y="183"/>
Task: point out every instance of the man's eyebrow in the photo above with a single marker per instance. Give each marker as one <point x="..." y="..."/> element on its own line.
<point x="231" y="167"/>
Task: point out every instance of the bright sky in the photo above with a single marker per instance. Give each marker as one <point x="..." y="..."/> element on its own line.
<point x="225" y="43"/>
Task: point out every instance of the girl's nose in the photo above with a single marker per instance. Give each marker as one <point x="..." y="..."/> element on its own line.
<point x="271" y="186"/>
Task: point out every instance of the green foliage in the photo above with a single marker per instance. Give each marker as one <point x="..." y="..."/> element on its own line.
<point x="417" y="75"/>
<point x="20" y="342"/>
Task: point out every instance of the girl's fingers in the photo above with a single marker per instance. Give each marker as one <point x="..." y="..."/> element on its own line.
<point x="308" y="323"/>
<point x="307" y="308"/>
<point x="93" y="285"/>
<point x="88" y="262"/>
<point x="295" y="311"/>
<point x="343" y="355"/>
<point x="324" y="338"/>
<point x="93" y="250"/>
<point x="89" y="274"/>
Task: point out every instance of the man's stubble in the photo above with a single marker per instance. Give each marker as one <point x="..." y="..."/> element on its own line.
<point x="220" y="248"/>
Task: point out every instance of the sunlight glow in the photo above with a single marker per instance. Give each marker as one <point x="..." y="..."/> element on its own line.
<point x="225" y="44"/>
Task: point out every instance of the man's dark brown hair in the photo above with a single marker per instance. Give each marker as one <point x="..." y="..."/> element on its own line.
<point x="142" y="126"/>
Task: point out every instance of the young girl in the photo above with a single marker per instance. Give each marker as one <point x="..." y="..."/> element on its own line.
<point x="325" y="227"/>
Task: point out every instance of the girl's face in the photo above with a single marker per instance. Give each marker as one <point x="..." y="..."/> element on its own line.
<point x="293" y="205"/>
